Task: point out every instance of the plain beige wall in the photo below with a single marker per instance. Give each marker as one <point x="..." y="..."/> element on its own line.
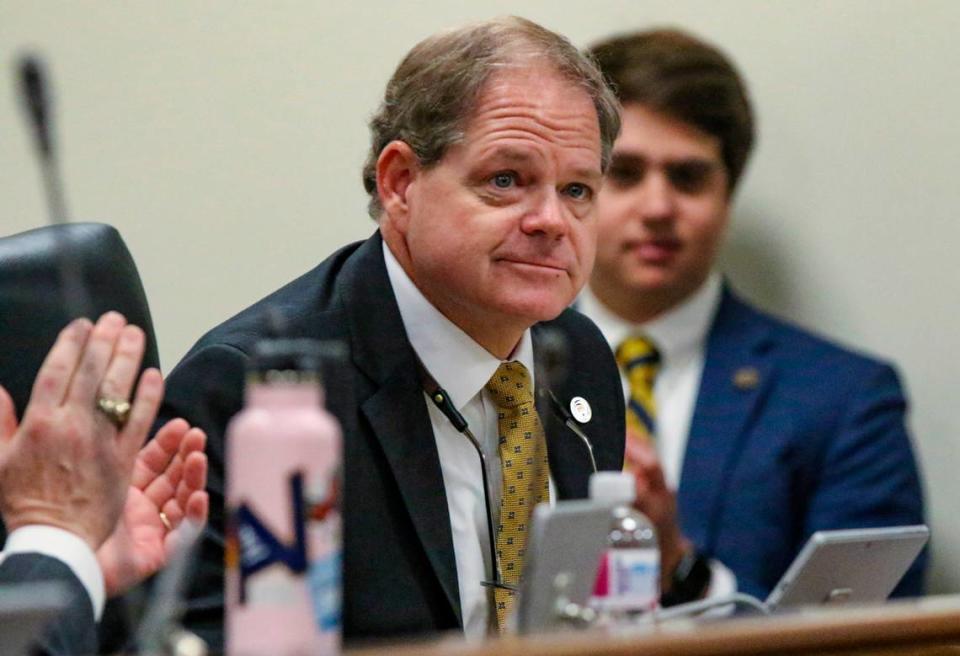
<point x="225" y="141"/>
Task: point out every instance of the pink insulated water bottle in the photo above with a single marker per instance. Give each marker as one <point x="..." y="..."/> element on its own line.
<point x="283" y="551"/>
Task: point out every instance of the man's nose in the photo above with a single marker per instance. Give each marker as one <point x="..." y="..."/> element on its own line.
<point x="547" y="216"/>
<point x="656" y="198"/>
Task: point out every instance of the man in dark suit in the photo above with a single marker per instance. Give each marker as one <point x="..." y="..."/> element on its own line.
<point x="486" y="157"/>
<point x="766" y="432"/>
<point x="86" y="506"/>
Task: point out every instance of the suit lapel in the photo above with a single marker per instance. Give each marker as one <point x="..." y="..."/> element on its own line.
<point x="396" y="410"/>
<point x="578" y="375"/>
<point x="736" y="376"/>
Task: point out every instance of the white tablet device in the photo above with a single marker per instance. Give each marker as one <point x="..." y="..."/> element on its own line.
<point x="563" y="551"/>
<point x="856" y="565"/>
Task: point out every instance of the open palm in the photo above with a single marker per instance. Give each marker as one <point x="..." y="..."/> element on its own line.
<point x="169" y="476"/>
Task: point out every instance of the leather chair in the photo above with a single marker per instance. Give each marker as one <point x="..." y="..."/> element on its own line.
<point x="33" y="308"/>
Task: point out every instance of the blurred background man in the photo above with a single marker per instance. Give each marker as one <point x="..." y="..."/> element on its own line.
<point x="747" y="434"/>
<point x="84" y="504"/>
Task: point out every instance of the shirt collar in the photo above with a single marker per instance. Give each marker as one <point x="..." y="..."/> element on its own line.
<point x="677" y="331"/>
<point x="458" y="364"/>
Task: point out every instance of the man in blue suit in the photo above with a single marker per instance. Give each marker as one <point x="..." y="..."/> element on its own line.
<point x="765" y="432"/>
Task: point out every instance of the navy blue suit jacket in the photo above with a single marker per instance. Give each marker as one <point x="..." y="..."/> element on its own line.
<point x="792" y="434"/>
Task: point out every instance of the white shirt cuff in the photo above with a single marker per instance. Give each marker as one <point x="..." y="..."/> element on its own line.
<point x="67" y="548"/>
<point x="723" y="582"/>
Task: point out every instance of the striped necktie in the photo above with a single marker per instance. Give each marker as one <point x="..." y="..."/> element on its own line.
<point x="640" y="361"/>
<point x="525" y="470"/>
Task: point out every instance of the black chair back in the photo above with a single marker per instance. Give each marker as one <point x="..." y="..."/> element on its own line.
<point x="33" y="311"/>
<point x="32" y="308"/>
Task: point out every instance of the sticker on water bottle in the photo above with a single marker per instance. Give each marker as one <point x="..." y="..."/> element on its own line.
<point x="324" y="580"/>
<point x="634" y="579"/>
<point x="326" y="560"/>
<point x="268" y="566"/>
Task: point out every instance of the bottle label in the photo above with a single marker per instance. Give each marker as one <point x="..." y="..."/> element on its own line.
<point x="631" y="580"/>
<point x="274" y="573"/>
<point x="326" y="564"/>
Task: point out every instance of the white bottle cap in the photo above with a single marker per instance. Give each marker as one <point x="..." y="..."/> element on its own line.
<point x="613" y="487"/>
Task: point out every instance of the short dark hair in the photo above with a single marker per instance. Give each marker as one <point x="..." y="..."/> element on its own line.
<point x="431" y="94"/>
<point x="687" y="79"/>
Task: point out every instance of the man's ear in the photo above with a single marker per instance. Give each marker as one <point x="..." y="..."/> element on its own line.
<point x="397" y="168"/>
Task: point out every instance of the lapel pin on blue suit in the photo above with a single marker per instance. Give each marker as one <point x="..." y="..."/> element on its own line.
<point x="746" y="378"/>
<point x="580" y="409"/>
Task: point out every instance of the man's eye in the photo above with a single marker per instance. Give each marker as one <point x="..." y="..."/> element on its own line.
<point x="691" y="177"/>
<point x="504" y="180"/>
<point x="579" y="191"/>
<point x="625" y="175"/>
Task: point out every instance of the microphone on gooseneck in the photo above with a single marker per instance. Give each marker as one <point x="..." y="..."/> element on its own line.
<point x="553" y="358"/>
<point x="38" y="105"/>
<point x="34" y="93"/>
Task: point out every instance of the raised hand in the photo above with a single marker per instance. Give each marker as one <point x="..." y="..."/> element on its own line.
<point x="67" y="464"/>
<point x="658" y="502"/>
<point x="169" y="477"/>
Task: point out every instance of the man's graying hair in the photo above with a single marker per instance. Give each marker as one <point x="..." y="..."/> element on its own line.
<point x="430" y="97"/>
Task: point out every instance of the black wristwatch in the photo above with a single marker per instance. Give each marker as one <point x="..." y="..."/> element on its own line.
<point x="689" y="580"/>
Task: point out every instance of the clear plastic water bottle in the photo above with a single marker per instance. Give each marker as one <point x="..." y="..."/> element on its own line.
<point x="628" y="578"/>
<point x="283" y="551"/>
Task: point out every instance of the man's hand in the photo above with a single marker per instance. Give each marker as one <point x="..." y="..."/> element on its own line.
<point x="169" y="476"/>
<point x="658" y="503"/>
<point x="66" y="464"/>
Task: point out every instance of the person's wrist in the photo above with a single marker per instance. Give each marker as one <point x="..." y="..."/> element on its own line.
<point x="688" y="581"/>
<point x="672" y="551"/>
<point x="67" y="547"/>
<point x="89" y="532"/>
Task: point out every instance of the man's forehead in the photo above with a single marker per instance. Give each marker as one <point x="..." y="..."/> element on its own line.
<point x="643" y="156"/>
<point x="647" y="132"/>
<point x="530" y="74"/>
<point x="535" y="98"/>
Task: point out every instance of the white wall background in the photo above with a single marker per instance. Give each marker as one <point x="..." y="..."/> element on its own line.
<point x="225" y="141"/>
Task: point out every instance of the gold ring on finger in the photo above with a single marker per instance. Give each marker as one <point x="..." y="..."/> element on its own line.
<point x="116" y="410"/>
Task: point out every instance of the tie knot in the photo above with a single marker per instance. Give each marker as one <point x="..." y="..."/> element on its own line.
<point x="637" y="351"/>
<point x="510" y="385"/>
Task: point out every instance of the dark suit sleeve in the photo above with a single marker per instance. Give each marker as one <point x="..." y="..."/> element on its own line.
<point x="74" y="630"/>
<point x="869" y="475"/>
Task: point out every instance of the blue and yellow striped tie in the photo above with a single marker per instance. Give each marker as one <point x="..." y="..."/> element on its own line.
<point x="640" y="361"/>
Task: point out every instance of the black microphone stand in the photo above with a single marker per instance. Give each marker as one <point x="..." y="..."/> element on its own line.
<point x="39" y="108"/>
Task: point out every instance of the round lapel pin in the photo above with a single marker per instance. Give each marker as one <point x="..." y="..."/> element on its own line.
<point x="746" y="378"/>
<point x="580" y="409"/>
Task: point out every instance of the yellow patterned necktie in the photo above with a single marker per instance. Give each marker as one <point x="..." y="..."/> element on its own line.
<point x="640" y="361"/>
<point x="525" y="470"/>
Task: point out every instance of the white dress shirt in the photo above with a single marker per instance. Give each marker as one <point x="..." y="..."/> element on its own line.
<point x="461" y="367"/>
<point x="65" y="547"/>
<point x="680" y="336"/>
